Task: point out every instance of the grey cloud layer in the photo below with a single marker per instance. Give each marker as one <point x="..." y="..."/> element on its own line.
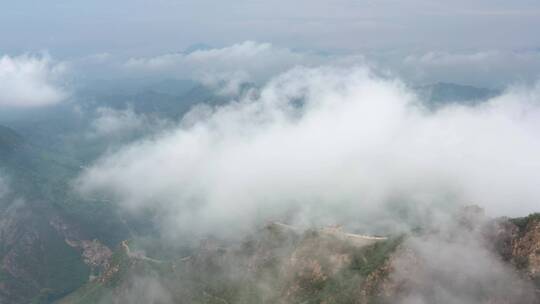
<point x="328" y="144"/>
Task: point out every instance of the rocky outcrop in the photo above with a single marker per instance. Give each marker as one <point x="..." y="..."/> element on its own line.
<point x="279" y="264"/>
<point x="473" y="260"/>
<point x="526" y="248"/>
<point x="94" y="254"/>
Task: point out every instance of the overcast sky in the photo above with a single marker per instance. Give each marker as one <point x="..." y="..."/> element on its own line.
<point x="144" y="27"/>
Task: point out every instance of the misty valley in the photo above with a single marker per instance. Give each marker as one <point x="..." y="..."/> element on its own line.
<point x="273" y="152"/>
<point x="66" y="237"/>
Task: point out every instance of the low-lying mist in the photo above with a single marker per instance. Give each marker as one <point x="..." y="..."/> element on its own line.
<point x="327" y="145"/>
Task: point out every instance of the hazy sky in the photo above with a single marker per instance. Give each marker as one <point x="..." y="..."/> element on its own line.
<point x="143" y="27"/>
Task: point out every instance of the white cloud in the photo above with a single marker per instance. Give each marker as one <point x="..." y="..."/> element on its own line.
<point x="27" y="81"/>
<point x="446" y="59"/>
<point x="336" y="144"/>
<point x="226" y="68"/>
<point x="121" y="124"/>
<point x="112" y="122"/>
<point x="248" y="55"/>
<point x="456" y="266"/>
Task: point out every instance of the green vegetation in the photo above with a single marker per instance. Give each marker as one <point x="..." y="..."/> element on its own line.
<point x="9" y="140"/>
<point x="273" y="266"/>
<point x="39" y="181"/>
<point x="522" y="222"/>
<point x="90" y="293"/>
<point x="346" y="285"/>
<point x="368" y="259"/>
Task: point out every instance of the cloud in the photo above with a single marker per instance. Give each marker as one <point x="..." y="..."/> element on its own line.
<point x="328" y="145"/>
<point x="30" y="81"/>
<point x="228" y="67"/>
<point x="483" y="67"/>
<point x="112" y="123"/>
<point x="457" y="264"/>
<point x="225" y="68"/>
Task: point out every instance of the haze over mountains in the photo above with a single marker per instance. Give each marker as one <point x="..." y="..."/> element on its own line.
<point x="55" y="237"/>
<point x="268" y="152"/>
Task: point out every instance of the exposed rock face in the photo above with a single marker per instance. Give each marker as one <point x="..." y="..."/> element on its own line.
<point x="518" y="242"/>
<point x="526" y="248"/>
<point x="95" y="254"/>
